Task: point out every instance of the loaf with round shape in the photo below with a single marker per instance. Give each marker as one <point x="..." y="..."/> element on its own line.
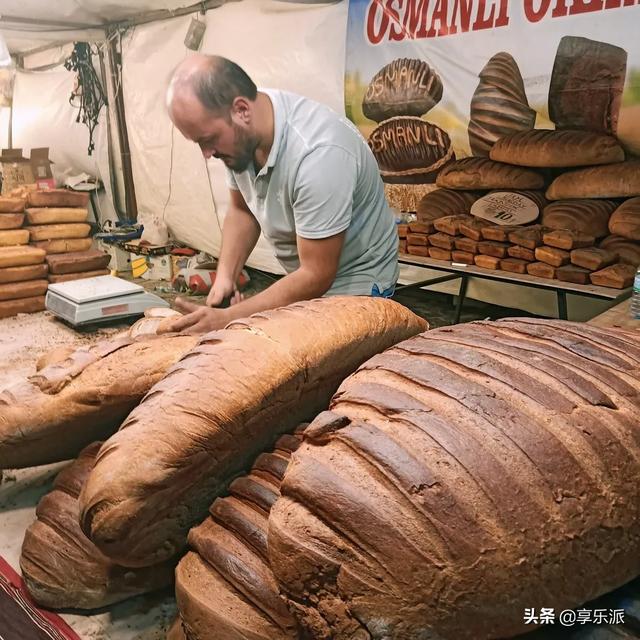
<point x="11" y="220"/>
<point x="53" y="215"/>
<point x="81" y="275"/>
<point x="225" y="583"/>
<point x="628" y="250"/>
<point x="55" y="231"/>
<point x="232" y="395"/>
<point x="14" y="237"/>
<point x="549" y="148"/>
<point x="53" y="414"/>
<point x="541" y="270"/>
<point x="20" y="274"/>
<point x="620" y="180"/>
<point x="587" y="84"/>
<point x="617" y="276"/>
<point x="10" y="308"/>
<point x="404" y="87"/>
<point x="61" y="568"/>
<point x="445" y="202"/>
<point x="499" y="104"/>
<point x="63" y="245"/>
<point x="29" y="289"/>
<point x="482" y="173"/>
<point x="410" y="149"/>
<point x="462" y="476"/>
<point x="625" y="220"/>
<point x="57" y="198"/>
<point x="590" y="217"/>
<point x="11" y="205"/>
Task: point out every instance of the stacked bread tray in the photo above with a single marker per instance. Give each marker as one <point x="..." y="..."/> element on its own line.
<point x="23" y="274"/>
<point x="57" y="223"/>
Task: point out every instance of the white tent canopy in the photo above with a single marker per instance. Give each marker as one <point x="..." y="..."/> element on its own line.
<point x="294" y="46"/>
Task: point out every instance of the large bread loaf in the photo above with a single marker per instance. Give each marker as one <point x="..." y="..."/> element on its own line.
<point x="499" y="104"/>
<point x="57" y="198"/>
<point x="548" y="148"/>
<point x="231" y="396"/>
<point x="76" y="261"/>
<point x="55" y="231"/>
<point x="11" y="205"/>
<point x="590" y="217"/>
<point x="226" y="582"/>
<point x="11" y="220"/>
<point x="482" y="173"/>
<point x="14" y="290"/>
<point x="63" y="245"/>
<point x="20" y="274"/>
<point x="14" y="237"/>
<point x="445" y="202"/>
<point x="461" y="477"/>
<point x="620" y="180"/>
<point x="69" y="404"/>
<point x="61" y="568"/>
<point x="20" y="256"/>
<point x="10" y="308"/>
<point x="628" y="250"/>
<point x="625" y="220"/>
<point x="52" y="215"/>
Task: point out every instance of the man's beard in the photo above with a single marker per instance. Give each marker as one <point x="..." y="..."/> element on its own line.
<point x="243" y="152"/>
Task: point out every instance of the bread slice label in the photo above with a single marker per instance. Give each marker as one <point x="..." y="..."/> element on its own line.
<point x="505" y="207"/>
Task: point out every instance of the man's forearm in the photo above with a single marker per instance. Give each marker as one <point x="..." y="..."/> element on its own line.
<point x="296" y="286"/>
<point x="240" y="233"/>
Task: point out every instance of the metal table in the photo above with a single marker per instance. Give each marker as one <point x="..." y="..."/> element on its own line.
<point x="464" y="272"/>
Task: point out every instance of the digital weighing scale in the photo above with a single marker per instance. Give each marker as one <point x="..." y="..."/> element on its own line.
<point x="100" y="299"/>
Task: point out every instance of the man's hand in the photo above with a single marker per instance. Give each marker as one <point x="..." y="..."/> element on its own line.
<point x="222" y="288"/>
<point x="198" y="319"/>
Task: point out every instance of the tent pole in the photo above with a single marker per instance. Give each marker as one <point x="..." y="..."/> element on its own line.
<point x="131" y="205"/>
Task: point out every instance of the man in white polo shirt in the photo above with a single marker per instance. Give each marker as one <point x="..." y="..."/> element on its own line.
<point x="299" y="173"/>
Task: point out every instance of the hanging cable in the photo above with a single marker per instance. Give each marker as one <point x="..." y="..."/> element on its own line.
<point x="88" y="95"/>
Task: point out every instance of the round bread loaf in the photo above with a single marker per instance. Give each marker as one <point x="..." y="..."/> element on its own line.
<point x="625" y="220"/>
<point x="499" y="104"/>
<point x="547" y="148"/>
<point x="410" y="149"/>
<point x="404" y="87"/>
<point x="619" y="180"/>
<point x="482" y="173"/>
<point x="462" y="476"/>
<point x="445" y="202"/>
<point x="628" y="250"/>
<point x="585" y="216"/>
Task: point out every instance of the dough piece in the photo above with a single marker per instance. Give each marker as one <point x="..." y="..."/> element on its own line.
<point x="482" y="173"/>
<point x="541" y="270"/>
<point x="52" y="415"/>
<point x="61" y="568"/>
<point x="448" y="462"/>
<point x="618" y="276"/>
<point x="52" y="215"/>
<point x="231" y="395"/>
<point x="552" y="256"/>
<point x="567" y="240"/>
<point x="549" y="148"/>
<point x="593" y="258"/>
<point x="620" y="180"/>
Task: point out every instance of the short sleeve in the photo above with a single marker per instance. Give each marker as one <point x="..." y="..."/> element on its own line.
<point x="231" y="180"/>
<point x="323" y="192"/>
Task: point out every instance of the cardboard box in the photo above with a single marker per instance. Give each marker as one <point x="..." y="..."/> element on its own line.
<point x="159" y="268"/>
<point x="120" y="259"/>
<point x="41" y="168"/>
<point x="16" y="170"/>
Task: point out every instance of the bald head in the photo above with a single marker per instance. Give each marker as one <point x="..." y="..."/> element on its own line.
<point x="215" y="81"/>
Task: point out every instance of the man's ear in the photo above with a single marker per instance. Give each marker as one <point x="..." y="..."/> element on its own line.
<point x="241" y="109"/>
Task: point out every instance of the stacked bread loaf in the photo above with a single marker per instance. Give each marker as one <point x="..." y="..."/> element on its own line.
<point x="23" y="274"/>
<point x="57" y="223"/>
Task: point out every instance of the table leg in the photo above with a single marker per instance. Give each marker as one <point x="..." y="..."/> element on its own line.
<point x="461" y="296"/>
<point x="562" y="305"/>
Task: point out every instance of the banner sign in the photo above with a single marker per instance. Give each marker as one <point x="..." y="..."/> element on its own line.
<point x="427" y="81"/>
